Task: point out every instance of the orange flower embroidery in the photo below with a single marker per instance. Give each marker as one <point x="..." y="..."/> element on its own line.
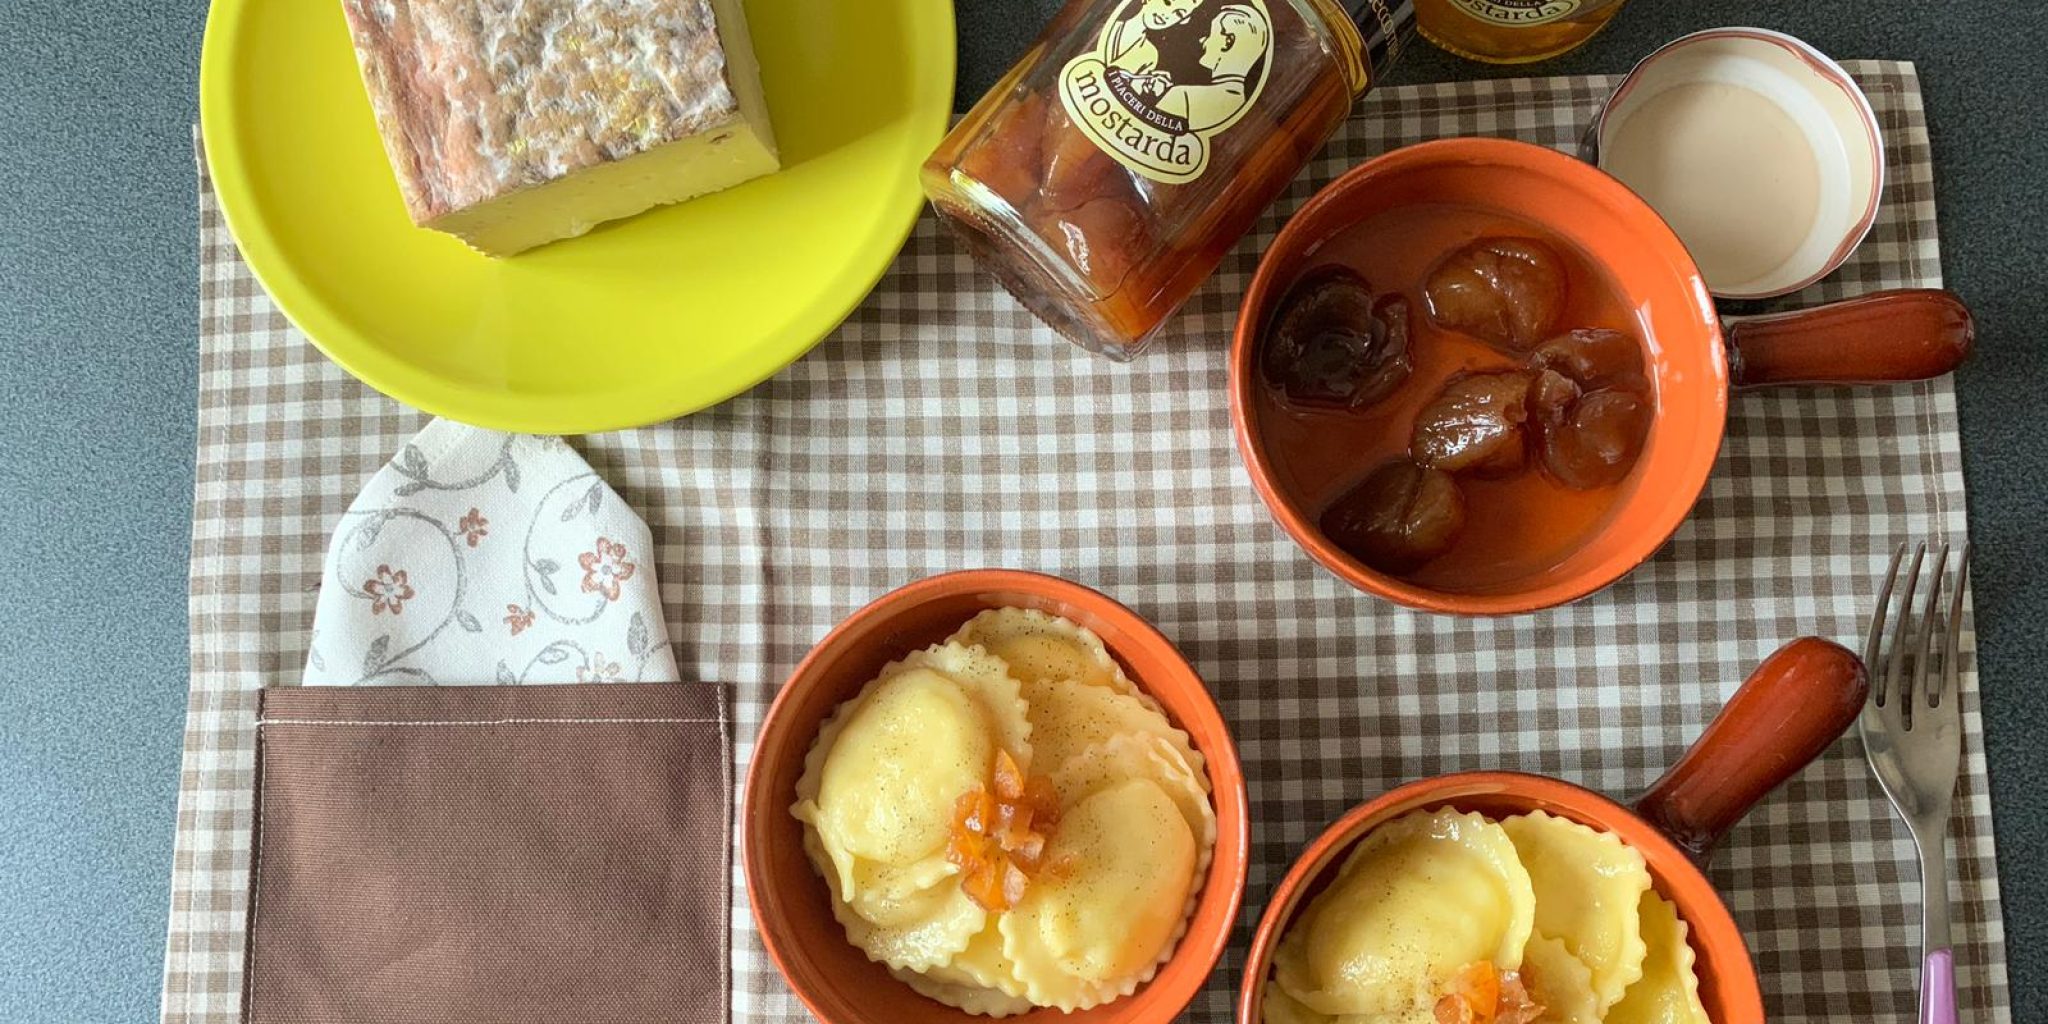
<point x="518" y="618"/>
<point x="388" y="590"/>
<point x="605" y="568"/>
<point x="473" y="527"/>
<point x="598" y="671"/>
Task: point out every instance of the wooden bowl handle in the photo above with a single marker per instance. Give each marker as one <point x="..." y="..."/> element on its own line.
<point x="1792" y="707"/>
<point x="1908" y="334"/>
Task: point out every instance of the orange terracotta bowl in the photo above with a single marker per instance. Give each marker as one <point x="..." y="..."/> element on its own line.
<point x="1794" y="705"/>
<point x="1582" y="206"/>
<point x="1902" y="335"/>
<point x="790" y="903"/>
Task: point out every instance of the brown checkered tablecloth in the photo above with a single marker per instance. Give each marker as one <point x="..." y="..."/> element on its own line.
<point x="942" y="428"/>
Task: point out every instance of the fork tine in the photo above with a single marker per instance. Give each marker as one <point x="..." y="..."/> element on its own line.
<point x="1895" y="666"/>
<point x="1874" y="644"/>
<point x="1916" y="684"/>
<point x="1952" y="651"/>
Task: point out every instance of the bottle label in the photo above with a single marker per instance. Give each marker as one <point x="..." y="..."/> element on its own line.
<point x="1518" y="12"/>
<point x="1167" y="76"/>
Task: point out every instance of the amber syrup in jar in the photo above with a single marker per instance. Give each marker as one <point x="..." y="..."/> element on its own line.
<point x="1512" y="31"/>
<point x="1107" y="174"/>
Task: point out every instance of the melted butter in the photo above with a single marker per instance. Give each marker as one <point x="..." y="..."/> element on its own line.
<point x="1730" y="170"/>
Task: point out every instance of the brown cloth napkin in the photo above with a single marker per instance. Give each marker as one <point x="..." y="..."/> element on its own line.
<point x="494" y="854"/>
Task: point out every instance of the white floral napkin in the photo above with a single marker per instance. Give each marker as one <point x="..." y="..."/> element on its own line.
<point x="476" y="557"/>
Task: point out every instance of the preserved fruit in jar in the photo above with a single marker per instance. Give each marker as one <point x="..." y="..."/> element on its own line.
<point x="1107" y="174"/>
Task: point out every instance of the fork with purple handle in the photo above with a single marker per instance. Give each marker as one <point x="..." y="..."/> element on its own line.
<point x="1912" y="733"/>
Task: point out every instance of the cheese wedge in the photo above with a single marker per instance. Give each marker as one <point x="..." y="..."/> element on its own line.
<point x="510" y="125"/>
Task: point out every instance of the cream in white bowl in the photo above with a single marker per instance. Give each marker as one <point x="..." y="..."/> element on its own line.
<point x="1761" y="153"/>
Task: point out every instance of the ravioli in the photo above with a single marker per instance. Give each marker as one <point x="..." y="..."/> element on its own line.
<point x="878" y="791"/>
<point x="869" y="798"/>
<point x="978" y="979"/>
<point x="1420" y="897"/>
<point x="1143" y="756"/>
<point x="1041" y="648"/>
<point x="1588" y="884"/>
<point x="982" y="964"/>
<point x="1068" y="717"/>
<point x="889" y="895"/>
<point x="1104" y="914"/>
<point x="1559" y="983"/>
<point x="985" y="1002"/>
<point x="1669" y="990"/>
<point x="880" y="782"/>
<point x="1009" y="835"/>
<point x="1280" y="1008"/>
<point x="926" y="928"/>
<point x="989" y="680"/>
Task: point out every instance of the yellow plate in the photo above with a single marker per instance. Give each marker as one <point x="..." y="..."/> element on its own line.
<point x="640" y="321"/>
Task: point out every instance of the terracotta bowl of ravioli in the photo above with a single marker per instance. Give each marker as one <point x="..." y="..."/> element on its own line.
<point x="994" y="793"/>
<point x="1506" y="898"/>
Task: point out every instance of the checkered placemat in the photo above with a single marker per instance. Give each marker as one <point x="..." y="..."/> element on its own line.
<point x="942" y="428"/>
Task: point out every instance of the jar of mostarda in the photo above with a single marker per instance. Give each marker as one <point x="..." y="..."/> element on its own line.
<point x="1106" y="175"/>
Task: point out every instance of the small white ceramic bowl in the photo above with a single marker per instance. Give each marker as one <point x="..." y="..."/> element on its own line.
<point x="1760" y="151"/>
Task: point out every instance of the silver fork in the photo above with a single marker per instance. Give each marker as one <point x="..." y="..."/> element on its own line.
<point x="1912" y="733"/>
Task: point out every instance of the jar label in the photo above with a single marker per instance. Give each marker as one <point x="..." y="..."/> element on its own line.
<point x="1518" y="12"/>
<point x="1165" y="77"/>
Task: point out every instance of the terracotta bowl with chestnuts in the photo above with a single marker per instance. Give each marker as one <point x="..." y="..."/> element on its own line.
<point x="1477" y="376"/>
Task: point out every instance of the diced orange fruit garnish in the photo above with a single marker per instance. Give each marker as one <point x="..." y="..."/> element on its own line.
<point x="1479" y="993"/>
<point x="1043" y="800"/>
<point x="1478" y="983"/>
<point x="1007" y="777"/>
<point x="1516" y="1005"/>
<point x="994" y="884"/>
<point x="998" y="834"/>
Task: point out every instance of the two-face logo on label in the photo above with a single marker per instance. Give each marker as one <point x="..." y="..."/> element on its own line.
<point x="1167" y="76"/>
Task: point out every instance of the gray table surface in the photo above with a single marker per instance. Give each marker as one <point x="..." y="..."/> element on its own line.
<point x="98" y="299"/>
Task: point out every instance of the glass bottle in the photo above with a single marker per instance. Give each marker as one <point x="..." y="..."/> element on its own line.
<point x="1104" y="177"/>
<point x="1512" y="31"/>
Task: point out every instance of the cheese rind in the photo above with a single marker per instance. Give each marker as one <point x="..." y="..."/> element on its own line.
<point x="511" y="124"/>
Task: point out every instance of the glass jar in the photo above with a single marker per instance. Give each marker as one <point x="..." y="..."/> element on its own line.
<point x="1106" y="175"/>
<point x="1512" y="31"/>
